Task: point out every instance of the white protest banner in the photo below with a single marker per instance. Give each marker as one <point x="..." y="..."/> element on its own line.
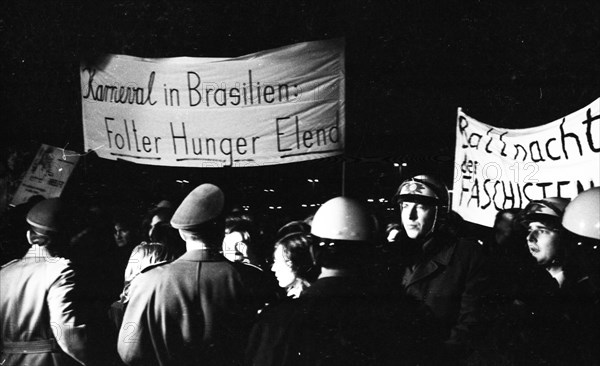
<point x="497" y="168"/>
<point x="47" y="175"/>
<point x="272" y="107"/>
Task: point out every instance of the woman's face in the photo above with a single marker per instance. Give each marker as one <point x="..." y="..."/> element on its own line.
<point x="543" y="243"/>
<point x="282" y="268"/>
<point x="123" y="235"/>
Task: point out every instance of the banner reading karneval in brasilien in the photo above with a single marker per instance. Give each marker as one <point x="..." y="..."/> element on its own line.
<point x="272" y="107"/>
<point x="498" y="168"/>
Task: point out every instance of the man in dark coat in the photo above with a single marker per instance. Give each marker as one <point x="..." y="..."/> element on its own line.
<point x="443" y="271"/>
<point x="196" y="310"/>
<point x="40" y="319"/>
<point x="343" y="318"/>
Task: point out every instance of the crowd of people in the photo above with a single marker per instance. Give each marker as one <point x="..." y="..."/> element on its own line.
<point x="199" y="284"/>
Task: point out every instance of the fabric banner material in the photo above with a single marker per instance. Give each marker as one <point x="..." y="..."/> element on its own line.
<point x="497" y="168"/>
<point x="47" y="175"/>
<point x="272" y="107"/>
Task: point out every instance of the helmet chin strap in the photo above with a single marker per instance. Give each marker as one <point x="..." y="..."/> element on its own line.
<point x="430" y="232"/>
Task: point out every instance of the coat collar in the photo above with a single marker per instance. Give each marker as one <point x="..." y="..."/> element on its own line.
<point x="203" y="255"/>
<point x="439" y="258"/>
<point x="37" y="252"/>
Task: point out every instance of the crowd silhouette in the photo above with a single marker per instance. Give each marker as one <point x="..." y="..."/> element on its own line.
<point x="197" y="282"/>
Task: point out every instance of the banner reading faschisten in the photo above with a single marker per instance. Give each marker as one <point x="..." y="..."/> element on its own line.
<point x="498" y="168"/>
<point x="272" y="107"/>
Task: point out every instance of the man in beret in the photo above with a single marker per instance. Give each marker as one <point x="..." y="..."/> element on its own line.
<point x="197" y="309"/>
<point x="40" y="320"/>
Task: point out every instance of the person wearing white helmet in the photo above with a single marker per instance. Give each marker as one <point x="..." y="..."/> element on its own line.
<point x="582" y="220"/>
<point x="582" y="215"/>
<point x="342" y="318"/>
<point x="445" y="272"/>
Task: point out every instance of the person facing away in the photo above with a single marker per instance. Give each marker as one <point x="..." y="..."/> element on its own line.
<point x="197" y="309"/>
<point x="581" y="221"/>
<point x="144" y="255"/>
<point x="342" y="318"/>
<point x="40" y="319"/>
<point x="445" y="272"/>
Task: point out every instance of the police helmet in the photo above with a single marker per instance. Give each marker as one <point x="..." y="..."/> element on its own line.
<point x="343" y="219"/>
<point x="582" y="215"/>
<point x="423" y="189"/>
<point x="548" y="210"/>
<point x="48" y="216"/>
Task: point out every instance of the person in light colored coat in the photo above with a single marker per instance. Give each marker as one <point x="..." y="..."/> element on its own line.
<point x="40" y="323"/>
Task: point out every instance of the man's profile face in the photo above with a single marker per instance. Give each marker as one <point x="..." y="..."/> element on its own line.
<point x="543" y="242"/>
<point x="417" y="219"/>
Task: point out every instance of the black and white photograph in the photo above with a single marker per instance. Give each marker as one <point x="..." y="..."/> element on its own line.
<point x="265" y="183"/>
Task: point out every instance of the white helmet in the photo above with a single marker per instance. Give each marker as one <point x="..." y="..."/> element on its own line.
<point x="582" y="215"/>
<point x="343" y="218"/>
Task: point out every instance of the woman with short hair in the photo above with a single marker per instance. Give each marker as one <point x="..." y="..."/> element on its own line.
<point x="293" y="265"/>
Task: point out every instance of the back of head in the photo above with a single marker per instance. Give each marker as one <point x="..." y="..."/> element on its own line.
<point x="163" y="233"/>
<point x="296" y="249"/>
<point x="201" y="214"/>
<point x="344" y="231"/>
<point x="48" y="221"/>
<point x="582" y="215"/>
<point x="146" y="254"/>
<point x="293" y="227"/>
<point x="582" y="220"/>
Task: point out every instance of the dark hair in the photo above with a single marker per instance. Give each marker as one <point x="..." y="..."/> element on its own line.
<point x="293" y="227"/>
<point x="210" y="232"/>
<point x="154" y="252"/>
<point x="248" y="230"/>
<point x="296" y="248"/>
<point x="126" y="220"/>
<point x="511" y="211"/>
<point x="164" y="213"/>
<point x="165" y="234"/>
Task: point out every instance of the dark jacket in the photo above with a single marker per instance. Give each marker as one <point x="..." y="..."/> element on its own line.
<point x="450" y="278"/>
<point x="39" y="321"/>
<point x="342" y="321"/>
<point x="196" y="310"/>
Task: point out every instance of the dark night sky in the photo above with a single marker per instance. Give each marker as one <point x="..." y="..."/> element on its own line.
<point x="409" y="66"/>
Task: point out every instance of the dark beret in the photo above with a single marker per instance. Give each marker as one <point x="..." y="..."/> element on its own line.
<point x="203" y="204"/>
